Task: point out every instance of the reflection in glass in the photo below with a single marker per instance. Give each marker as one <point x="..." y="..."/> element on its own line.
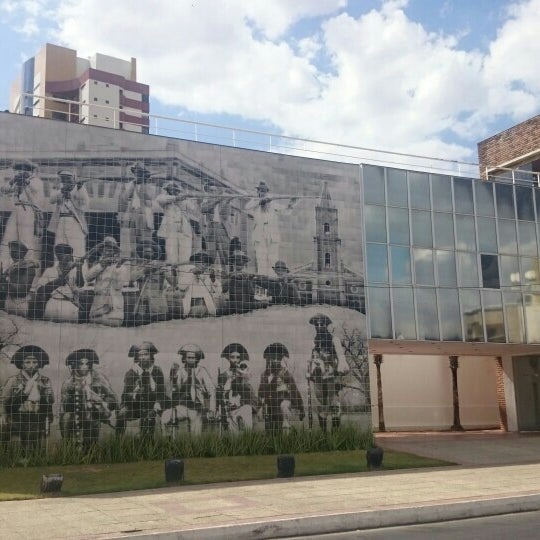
<point x="428" y="319"/>
<point x="442" y="192"/>
<point x="401" y="265"/>
<point x="471" y="312"/>
<point x="423" y="267"/>
<point x="484" y="198"/>
<point x="375" y="223"/>
<point x="446" y="268"/>
<point x="449" y="315"/>
<point x="468" y="269"/>
<point x="515" y="320"/>
<point x="419" y="188"/>
<point x="490" y="271"/>
<point x="465" y="234"/>
<point x="524" y="203"/>
<point x="396" y="187"/>
<point x="493" y="316"/>
<point x="463" y="196"/>
<point x="487" y="235"/>
<point x="377" y="263"/>
<point x="531" y="302"/>
<point x="505" y="201"/>
<point x="373" y="184"/>
<point x="443" y="225"/>
<point x="507" y="237"/>
<point x="421" y="228"/>
<point x="529" y="271"/>
<point x="398" y="226"/>
<point x="510" y="276"/>
<point x="527" y="238"/>
<point x="404" y="322"/>
<point x="379" y="312"/>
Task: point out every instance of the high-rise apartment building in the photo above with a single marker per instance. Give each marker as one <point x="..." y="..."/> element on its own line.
<point x="100" y="90"/>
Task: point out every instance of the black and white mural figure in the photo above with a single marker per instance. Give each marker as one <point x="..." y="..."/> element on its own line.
<point x="143" y="397"/>
<point x="25" y="223"/>
<point x="236" y="399"/>
<point x="27" y="400"/>
<point x="283" y="289"/>
<point x="193" y="392"/>
<point x="266" y="237"/>
<point x="279" y="398"/>
<point x="68" y="221"/>
<point x="87" y="399"/>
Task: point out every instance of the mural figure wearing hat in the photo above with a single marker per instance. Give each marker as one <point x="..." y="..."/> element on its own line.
<point x="135" y="211"/>
<point x="235" y="396"/>
<point x="25" y="222"/>
<point x="143" y="397"/>
<point x="201" y="287"/>
<point x="283" y="290"/>
<point x="193" y="392"/>
<point x="109" y="274"/>
<point x="57" y="292"/>
<point x="27" y="399"/>
<point x="87" y="399"/>
<point x="175" y="227"/>
<point x="265" y="235"/>
<point x="68" y="222"/>
<point x="278" y="394"/>
<point x="240" y="287"/>
<point x="19" y="278"/>
<point x="153" y="280"/>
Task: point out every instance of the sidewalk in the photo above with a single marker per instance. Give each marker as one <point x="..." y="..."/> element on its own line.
<point x="288" y="507"/>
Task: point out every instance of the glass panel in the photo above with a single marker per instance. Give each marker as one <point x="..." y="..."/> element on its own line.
<point x="398" y="226"/>
<point x="377" y="263"/>
<point x="507" y="236"/>
<point x="537" y="200"/>
<point x="442" y="192"/>
<point x="527" y="238"/>
<point x="505" y="201"/>
<point x="463" y="196"/>
<point x="529" y="271"/>
<point x="471" y="311"/>
<point x="443" y="225"/>
<point x="484" y="198"/>
<point x="428" y="319"/>
<point x="487" y="234"/>
<point x="423" y="267"/>
<point x="510" y="271"/>
<point x="490" y="271"/>
<point x="493" y="316"/>
<point x="373" y="184"/>
<point x="404" y="323"/>
<point x="531" y="302"/>
<point x="379" y="312"/>
<point x="450" y="316"/>
<point x="396" y="187"/>
<point x="375" y="224"/>
<point x="468" y="269"/>
<point x="419" y="187"/>
<point x="446" y="268"/>
<point x="515" y="321"/>
<point x="401" y="265"/>
<point x="465" y="235"/>
<point x="524" y="203"/>
<point x="421" y="228"/>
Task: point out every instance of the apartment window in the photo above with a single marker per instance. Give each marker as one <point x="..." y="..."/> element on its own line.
<point x="107" y="101"/>
<point x="95" y="115"/>
<point x="95" y="99"/>
<point x="95" y="82"/>
<point x="107" y="85"/>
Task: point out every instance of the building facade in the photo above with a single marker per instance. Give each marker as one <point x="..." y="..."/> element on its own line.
<point x="104" y="90"/>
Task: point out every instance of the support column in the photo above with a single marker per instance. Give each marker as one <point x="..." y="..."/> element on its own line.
<point x="378" y="360"/>
<point x="454" y="364"/>
<point x="501" y="397"/>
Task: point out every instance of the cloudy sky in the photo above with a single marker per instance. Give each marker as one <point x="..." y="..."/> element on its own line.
<point x="430" y="77"/>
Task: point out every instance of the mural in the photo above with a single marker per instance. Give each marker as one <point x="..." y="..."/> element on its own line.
<point x="143" y="292"/>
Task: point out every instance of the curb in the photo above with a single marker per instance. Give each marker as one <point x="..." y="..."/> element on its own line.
<point x="352" y="521"/>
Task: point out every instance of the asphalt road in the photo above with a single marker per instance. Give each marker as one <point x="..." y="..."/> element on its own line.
<point x="522" y="526"/>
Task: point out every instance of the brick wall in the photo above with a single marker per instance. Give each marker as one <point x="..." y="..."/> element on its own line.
<point x="507" y="145"/>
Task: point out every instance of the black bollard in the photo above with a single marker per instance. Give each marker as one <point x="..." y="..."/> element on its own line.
<point x="285" y="466"/>
<point x="51" y="483"/>
<point x="174" y="470"/>
<point x="374" y="457"/>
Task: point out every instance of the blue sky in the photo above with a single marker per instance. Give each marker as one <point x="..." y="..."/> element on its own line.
<point x="430" y="77"/>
